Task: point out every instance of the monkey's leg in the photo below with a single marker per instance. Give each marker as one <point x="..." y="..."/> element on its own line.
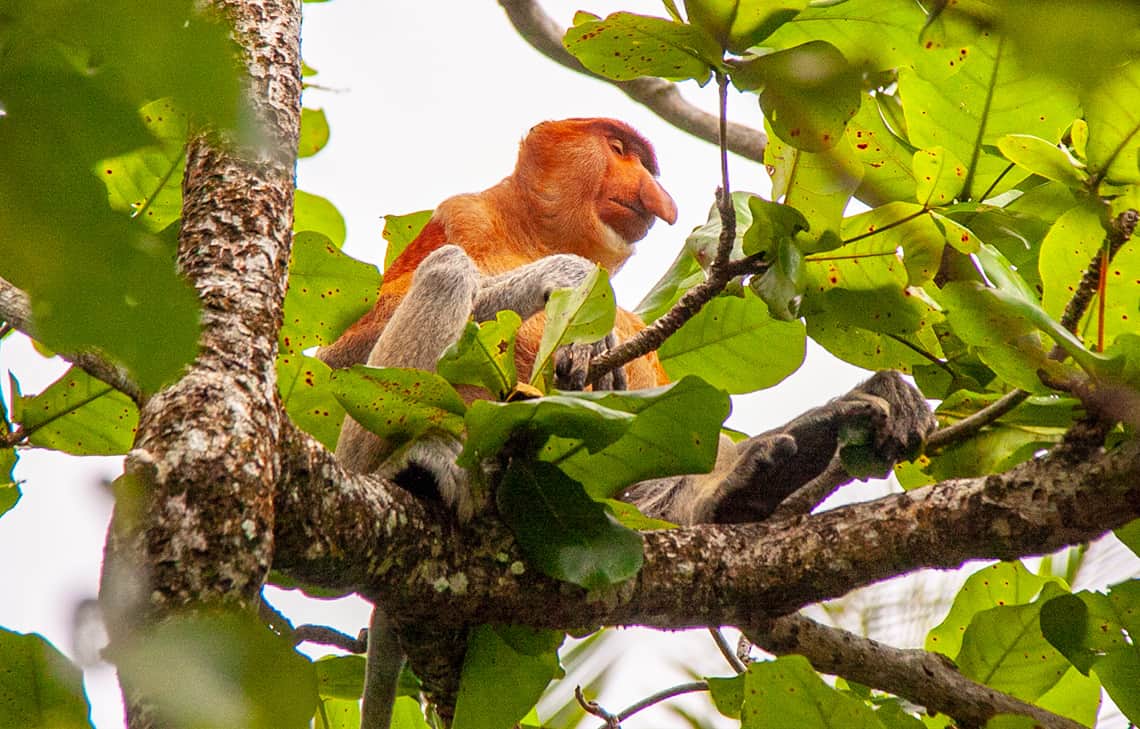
<point x="430" y="317"/>
<point x="752" y="478"/>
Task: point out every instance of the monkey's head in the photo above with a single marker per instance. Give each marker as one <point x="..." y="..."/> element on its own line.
<point x="600" y="167"/>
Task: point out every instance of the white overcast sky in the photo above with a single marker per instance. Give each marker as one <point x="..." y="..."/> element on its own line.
<point x="425" y="100"/>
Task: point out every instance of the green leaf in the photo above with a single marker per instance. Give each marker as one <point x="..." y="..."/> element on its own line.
<point x="1114" y="125"/>
<point x="1044" y="158"/>
<point x="80" y="415"/>
<point x="400" y="230"/>
<point x="1004" y="583"/>
<point x="939" y="177"/>
<point x="401" y="404"/>
<point x="676" y="430"/>
<point x="704" y="241"/>
<point x="625" y="46"/>
<point x="582" y="314"/>
<point x="317" y="214"/>
<point x="119" y="291"/>
<point x="564" y="532"/>
<point x="491" y="424"/>
<point x="314" y="132"/>
<point x="772" y="224"/>
<point x="1129" y="534"/>
<point x="1099" y="633"/>
<point x="505" y="671"/>
<point x="306" y="393"/>
<point x="628" y="516"/>
<point x="981" y="95"/>
<point x="886" y="157"/>
<point x="781" y="287"/>
<point x="894" y="227"/>
<point x="218" y="670"/>
<point x="818" y="185"/>
<point x="740" y="24"/>
<point x="787" y="692"/>
<point x="146" y="182"/>
<point x="328" y="291"/>
<point x="342" y="713"/>
<point x="406" y="714"/>
<point x="733" y="344"/>
<point x="484" y="356"/>
<point x="876" y="34"/>
<point x="340" y="677"/>
<point x="727" y="694"/>
<point x="809" y="93"/>
<point x="1003" y="647"/>
<point x="683" y="274"/>
<point x="39" y="687"/>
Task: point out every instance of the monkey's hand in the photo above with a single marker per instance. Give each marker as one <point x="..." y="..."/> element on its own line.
<point x="426" y="468"/>
<point x="572" y="365"/>
<point x="526" y="289"/>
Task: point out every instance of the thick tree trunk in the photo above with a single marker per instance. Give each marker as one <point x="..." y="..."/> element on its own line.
<point x="206" y="457"/>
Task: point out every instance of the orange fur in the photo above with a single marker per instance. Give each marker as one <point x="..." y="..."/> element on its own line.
<point x="582" y="186"/>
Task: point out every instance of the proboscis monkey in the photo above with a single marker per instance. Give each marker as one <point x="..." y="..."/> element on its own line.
<point x="582" y="193"/>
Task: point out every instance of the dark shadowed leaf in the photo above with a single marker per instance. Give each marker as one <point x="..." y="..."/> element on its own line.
<point x="564" y="532"/>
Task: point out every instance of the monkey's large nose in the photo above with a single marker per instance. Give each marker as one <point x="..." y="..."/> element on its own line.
<point x="654" y="199"/>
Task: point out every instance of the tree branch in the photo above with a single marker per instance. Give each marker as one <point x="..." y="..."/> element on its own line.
<point x="16" y="310"/>
<point x="660" y="97"/>
<point x="430" y="571"/>
<point x="928" y="679"/>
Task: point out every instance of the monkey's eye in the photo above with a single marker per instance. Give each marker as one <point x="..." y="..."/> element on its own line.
<point x="617" y="146"/>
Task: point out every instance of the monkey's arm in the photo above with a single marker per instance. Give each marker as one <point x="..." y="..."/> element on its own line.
<point x="753" y="477"/>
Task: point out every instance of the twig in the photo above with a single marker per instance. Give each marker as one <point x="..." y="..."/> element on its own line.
<point x="669" y="693"/>
<point x="595" y="709"/>
<point x="969" y="426"/>
<point x="726" y="650"/>
<point x="328" y="636"/>
<point x="16" y="311"/>
<point x="928" y="679"/>
<point x="660" y="97"/>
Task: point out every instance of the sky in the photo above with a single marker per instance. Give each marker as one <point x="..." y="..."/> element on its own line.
<point x="425" y="100"/>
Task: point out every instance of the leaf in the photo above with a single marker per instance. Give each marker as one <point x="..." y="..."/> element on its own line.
<point x="781" y="287"/>
<point x="981" y="95"/>
<point x="1003" y="583"/>
<point x="818" y="185"/>
<point x="939" y="177"/>
<point x="491" y="424"/>
<point x="897" y="226"/>
<point x="317" y="214"/>
<point x="787" y="692"/>
<point x="625" y="46"/>
<point x="340" y="677"/>
<point x="733" y="344"/>
<point x="220" y="669"/>
<point x="772" y="224"/>
<point x="400" y="230"/>
<point x="80" y="415"/>
<point x="314" y="132"/>
<point x="809" y="93"/>
<point x="727" y="694"/>
<point x="1099" y="633"/>
<point x="484" y="356"/>
<point x="1043" y="158"/>
<point x="406" y="714"/>
<point x="886" y="157"/>
<point x="1004" y="648"/>
<point x="39" y="687"/>
<point x="628" y="516"/>
<point x="704" y="241"/>
<point x="740" y="24"/>
<point x="505" y="671"/>
<point x="685" y="273"/>
<point x="675" y="430"/>
<point x="564" y="532"/>
<point x="1114" y="125"/>
<point x="877" y="34"/>
<point x="582" y="314"/>
<point x="397" y="403"/>
<point x="328" y="291"/>
<point x="306" y="393"/>
<point x="146" y="182"/>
